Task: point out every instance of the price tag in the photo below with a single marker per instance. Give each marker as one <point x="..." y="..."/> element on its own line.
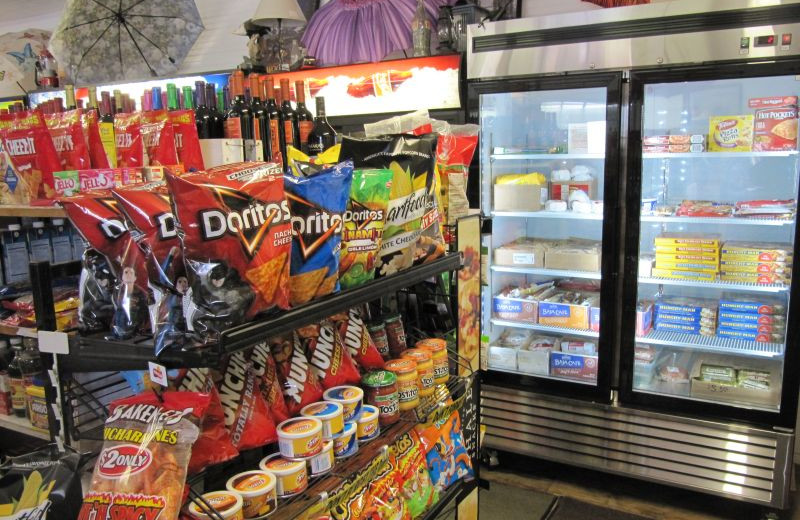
<point x="53" y="342"/>
<point x="158" y="373"/>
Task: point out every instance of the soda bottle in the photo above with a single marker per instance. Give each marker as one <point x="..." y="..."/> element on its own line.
<point x="17" y="383"/>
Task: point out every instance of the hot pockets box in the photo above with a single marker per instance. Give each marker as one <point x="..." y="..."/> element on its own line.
<point x="564" y="315"/>
<point x="515" y="309"/>
<point x="575" y="366"/>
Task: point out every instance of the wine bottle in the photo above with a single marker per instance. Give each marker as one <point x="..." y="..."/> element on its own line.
<point x="289" y="129"/>
<point x="273" y="120"/>
<point x="305" y="121"/>
<point x="188" y="98"/>
<point x="256" y="106"/>
<point x="322" y="136"/>
<point x="118" y="105"/>
<point x="69" y="93"/>
<point x="92" y="103"/>
<point x="202" y="114"/>
<point x="172" y="97"/>
<point x="239" y="114"/>
<point x="217" y="127"/>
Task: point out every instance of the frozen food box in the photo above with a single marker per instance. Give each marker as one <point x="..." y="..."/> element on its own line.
<point x="564" y="315"/>
<point x="730" y="133"/>
<point x="578" y="255"/>
<point x="708" y="241"/>
<point x="710" y="253"/>
<point x="707" y="259"/>
<point x="519" y="197"/>
<point x="775" y="124"/>
<point x="684" y="328"/>
<point x="655" y="140"/>
<point x="594" y="319"/>
<point x="756" y="382"/>
<point x="686" y="266"/>
<point x="515" y="309"/>
<point x="504" y="358"/>
<point x="534" y="361"/>
<point x="735" y="251"/>
<point x="754" y="327"/>
<point x="752" y="305"/>
<point x="755" y="267"/>
<point x="561" y="190"/>
<point x="746" y="317"/>
<point x="695" y="306"/>
<point x="523" y="252"/>
<point x="644" y="318"/>
<point x="574" y="366"/>
<point x="756" y="278"/>
<point x="683" y="274"/>
<point x="758" y="337"/>
<point x="577" y="346"/>
<point x="686" y="319"/>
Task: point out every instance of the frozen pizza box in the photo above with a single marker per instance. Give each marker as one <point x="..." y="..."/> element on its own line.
<point x="756" y="267"/>
<point x="684" y="328"/>
<point x="708" y="259"/>
<point x="707" y="253"/>
<point x="686" y="319"/>
<point x="523" y="252"/>
<point x="762" y="328"/>
<point x="573" y="366"/>
<point x="730" y="133"/>
<point x="685" y="266"/>
<point x="756" y="278"/>
<point x="758" y="337"/>
<point x="515" y="309"/>
<point x="775" y="123"/>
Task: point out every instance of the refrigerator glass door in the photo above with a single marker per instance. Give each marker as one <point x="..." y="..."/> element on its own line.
<point x="717" y="228"/>
<point x="543" y="181"/>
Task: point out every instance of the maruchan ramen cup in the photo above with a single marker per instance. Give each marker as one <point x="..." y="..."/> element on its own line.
<point x="350" y="397"/>
<point x="345" y="444"/>
<point x="257" y="488"/>
<point x="367" y="426"/>
<point x="330" y="413"/>
<point x="322" y="463"/>
<point x="438" y="350"/>
<point x="291" y="477"/>
<point x="228" y="504"/>
<point x="300" y="437"/>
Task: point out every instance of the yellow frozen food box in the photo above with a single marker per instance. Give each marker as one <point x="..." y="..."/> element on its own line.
<point x="730" y="133"/>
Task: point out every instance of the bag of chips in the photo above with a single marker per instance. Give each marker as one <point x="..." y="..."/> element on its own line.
<point x="235" y="227"/>
<point x="141" y="470"/>
<point x="158" y="138"/>
<point x="213" y="445"/>
<point x="356" y="338"/>
<point x="264" y="368"/>
<point x="187" y="142"/>
<point x="14" y="188"/>
<point x="454" y="153"/>
<point x="363" y="226"/>
<point x="28" y="144"/>
<point x="91" y="133"/>
<point x="411" y="233"/>
<point x="407" y="458"/>
<point x="246" y="414"/>
<point x="329" y="360"/>
<point x="300" y="384"/>
<point x="445" y="454"/>
<point x="128" y="136"/>
<point x="66" y="131"/>
<point x="317" y="204"/>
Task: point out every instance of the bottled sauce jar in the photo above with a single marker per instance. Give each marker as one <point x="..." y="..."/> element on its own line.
<point x="380" y="387"/>
<point x="17" y="383"/>
<point x="438" y="350"/>
<point x="424" y="370"/>
<point x="407" y="386"/>
<point x="396" y="335"/>
<point x="377" y="331"/>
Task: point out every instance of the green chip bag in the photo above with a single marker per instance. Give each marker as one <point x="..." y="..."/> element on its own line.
<point x="363" y="226"/>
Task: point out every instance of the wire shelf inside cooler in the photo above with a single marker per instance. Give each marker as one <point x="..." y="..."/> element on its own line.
<point x="735" y="221"/>
<point x="712" y="344"/>
<point x="547" y="328"/>
<point x="717" y="284"/>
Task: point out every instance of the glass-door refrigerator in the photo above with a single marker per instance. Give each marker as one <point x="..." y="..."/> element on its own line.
<point x="709" y="300"/>
<point x="549" y="181"/>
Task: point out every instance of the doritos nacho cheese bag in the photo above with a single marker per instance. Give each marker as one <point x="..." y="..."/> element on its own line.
<point x="128" y="135"/>
<point x="317" y="204"/>
<point x="142" y="466"/>
<point x="235" y="227"/>
<point x="66" y="130"/>
<point x="158" y="138"/>
<point x="28" y="143"/>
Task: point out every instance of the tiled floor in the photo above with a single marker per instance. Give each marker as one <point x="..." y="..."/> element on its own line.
<point x="623" y="494"/>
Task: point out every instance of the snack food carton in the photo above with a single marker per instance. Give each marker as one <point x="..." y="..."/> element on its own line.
<point x="730" y="133"/>
<point x="737" y="251"/>
<point x="522" y="252"/>
<point x="751" y="305"/>
<point x="578" y="255"/>
<point x="644" y="318"/>
<point x="519" y="197"/>
<point x="502" y="357"/>
<point x="746" y="317"/>
<point x="515" y="309"/>
<point x="561" y="190"/>
<point x="709" y="242"/>
<point x="775" y="124"/>
<point x="564" y="315"/>
<point x="575" y="366"/>
<point x="757" y="278"/>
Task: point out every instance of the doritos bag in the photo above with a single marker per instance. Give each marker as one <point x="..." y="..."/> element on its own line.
<point x="42" y="485"/>
<point x="187" y="142"/>
<point x="128" y="135"/>
<point x="91" y="132"/>
<point x="235" y="228"/>
<point x="246" y="414"/>
<point x="356" y="338"/>
<point x="317" y="204"/>
<point x="445" y="454"/>
<point x="158" y="138"/>
<point x="264" y="368"/>
<point x="411" y="233"/>
<point x="99" y="222"/>
<point x="28" y="144"/>
<point x="213" y="445"/>
<point x="148" y="443"/>
<point x="300" y="384"/>
<point x="329" y="360"/>
<point x="66" y="130"/>
<point x="149" y="218"/>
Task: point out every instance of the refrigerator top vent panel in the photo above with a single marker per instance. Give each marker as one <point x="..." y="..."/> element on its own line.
<point x="664" y="33"/>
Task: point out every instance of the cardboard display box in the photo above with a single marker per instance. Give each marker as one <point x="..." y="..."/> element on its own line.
<point x="560" y="190"/>
<point x="575" y="366"/>
<point x="519" y="197"/>
<point x="564" y="315"/>
<point x="534" y="361"/>
<point x="515" y="309"/>
<point x="521" y="253"/>
<point x="502" y="357"/>
<point x="576" y="256"/>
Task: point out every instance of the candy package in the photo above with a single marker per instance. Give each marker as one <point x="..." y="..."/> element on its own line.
<point x="407" y="458"/>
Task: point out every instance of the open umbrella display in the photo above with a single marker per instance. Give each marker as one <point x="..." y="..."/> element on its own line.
<point x="109" y="40"/>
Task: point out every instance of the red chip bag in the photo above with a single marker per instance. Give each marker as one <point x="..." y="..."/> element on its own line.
<point x="356" y="338"/>
<point x="329" y="360"/>
<point x="158" y="138"/>
<point x="27" y="141"/>
<point x="128" y="136"/>
<point x="264" y="368"/>
<point x="246" y="414"/>
<point x="187" y="142"/>
<point x="91" y="132"/>
<point x="66" y="130"/>
<point x="214" y="443"/>
<point x="300" y="385"/>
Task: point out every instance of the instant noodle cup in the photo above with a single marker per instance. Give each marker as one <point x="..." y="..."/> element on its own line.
<point x="350" y="397"/>
<point x="291" y="477"/>
<point x="257" y="489"/>
<point x="344" y="444"/>
<point x="227" y="503"/>
<point x="300" y="437"/>
<point x="322" y="463"/>
<point x="367" y="426"/>
<point x="330" y="413"/>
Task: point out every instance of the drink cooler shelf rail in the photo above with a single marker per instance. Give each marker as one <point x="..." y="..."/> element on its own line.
<point x="716" y="344"/>
<point x="719" y="284"/>
<point x="546" y="328"/>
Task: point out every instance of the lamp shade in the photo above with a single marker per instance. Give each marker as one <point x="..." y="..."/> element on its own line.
<point x="270" y="11"/>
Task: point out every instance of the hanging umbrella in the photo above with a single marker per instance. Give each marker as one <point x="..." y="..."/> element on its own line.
<point x="101" y="41"/>
<point x="353" y="31"/>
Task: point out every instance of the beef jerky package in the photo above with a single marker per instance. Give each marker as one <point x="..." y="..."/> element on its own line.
<point x="42" y="485"/>
<point x="235" y="227"/>
<point x="264" y="368"/>
<point x="97" y="219"/>
<point x="148" y="216"/>
<point x="28" y="144"/>
<point x="91" y="132"/>
<point x="329" y="359"/>
<point x="128" y="136"/>
<point x="66" y="130"/>
<point x="158" y="138"/>
<point x="246" y="414"/>
<point x="412" y="233"/>
<point x="187" y="142"/>
<point x="300" y="384"/>
<point x="213" y="445"/>
<point x="141" y="470"/>
<point x="317" y="204"/>
<point x="356" y="338"/>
